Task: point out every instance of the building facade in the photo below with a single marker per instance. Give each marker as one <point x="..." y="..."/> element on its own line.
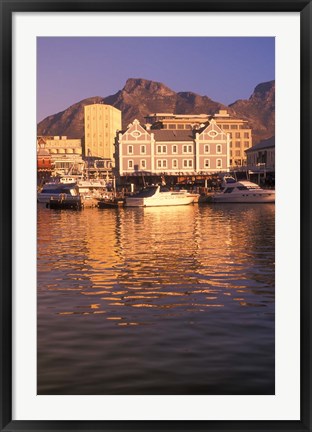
<point x="59" y="145"/>
<point x="43" y="161"/>
<point x="65" y="153"/>
<point x="262" y="156"/>
<point x="240" y="137"/>
<point x="101" y="122"/>
<point x="239" y="132"/>
<point x="172" y="152"/>
<point x="177" y="121"/>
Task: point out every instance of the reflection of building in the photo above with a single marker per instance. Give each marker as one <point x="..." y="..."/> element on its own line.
<point x="262" y="156"/>
<point x="101" y="123"/>
<point x="172" y="152"/>
<point x="60" y="145"/>
<point x="238" y="129"/>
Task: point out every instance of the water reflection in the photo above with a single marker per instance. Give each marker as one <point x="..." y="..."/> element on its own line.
<point x="142" y="267"/>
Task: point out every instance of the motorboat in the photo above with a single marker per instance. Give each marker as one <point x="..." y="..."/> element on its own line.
<point x="242" y="191"/>
<point x="156" y="196"/>
<point x="95" y="187"/>
<point x="56" y="191"/>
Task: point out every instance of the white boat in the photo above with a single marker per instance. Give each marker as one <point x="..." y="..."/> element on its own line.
<point x="56" y="190"/>
<point x="86" y="186"/>
<point x="242" y="191"/>
<point x="156" y="196"/>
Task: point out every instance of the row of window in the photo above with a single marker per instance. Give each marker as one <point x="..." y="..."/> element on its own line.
<point x="88" y="124"/>
<point x="239" y="135"/>
<point x="163" y="163"/>
<point x="162" y="149"/>
<point x="235" y="126"/>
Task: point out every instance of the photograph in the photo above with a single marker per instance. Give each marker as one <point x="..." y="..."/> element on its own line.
<point x="155" y="215"/>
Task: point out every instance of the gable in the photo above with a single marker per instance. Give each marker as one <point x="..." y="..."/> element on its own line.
<point x="212" y="133"/>
<point x="136" y="132"/>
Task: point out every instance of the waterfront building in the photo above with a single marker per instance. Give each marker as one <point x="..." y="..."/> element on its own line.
<point x="43" y="160"/>
<point x="101" y="122"/>
<point x="176" y="121"/>
<point x="65" y="153"/>
<point x="172" y="152"/>
<point x="60" y="145"/>
<point x="239" y="132"/>
<point x="240" y="136"/>
<point x="261" y="157"/>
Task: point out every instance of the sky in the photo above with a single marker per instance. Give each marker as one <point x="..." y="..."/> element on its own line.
<point x="70" y="69"/>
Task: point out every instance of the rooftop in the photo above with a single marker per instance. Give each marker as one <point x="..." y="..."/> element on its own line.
<point x="172" y="135"/>
<point x="268" y="143"/>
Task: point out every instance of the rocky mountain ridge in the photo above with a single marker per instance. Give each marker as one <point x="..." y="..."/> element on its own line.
<point x="140" y="97"/>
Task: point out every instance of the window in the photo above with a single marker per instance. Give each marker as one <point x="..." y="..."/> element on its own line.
<point x="219" y="163"/>
<point x="143" y="149"/>
<point x="237" y="152"/>
<point x="237" y="135"/>
<point x="234" y="127"/>
<point x="130" y="149"/>
<point x="187" y="163"/>
<point x="237" y="144"/>
<point x="180" y="126"/>
<point x="229" y="190"/>
<point x="162" y="163"/>
<point x="174" y="149"/>
<point x="161" y="149"/>
<point x="172" y="126"/>
<point x="219" y="148"/>
<point x="187" y="149"/>
<point x="246" y="134"/>
<point x="207" y="163"/>
<point x="174" y="163"/>
<point x="130" y="163"/>
<point x="143" y="164"/>
<point x="246" y="144"/>
<point x="225" y="127"/>
<point x="207" y="148"/>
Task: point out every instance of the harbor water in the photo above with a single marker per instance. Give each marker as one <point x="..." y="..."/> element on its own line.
<point x="168" y="300"/>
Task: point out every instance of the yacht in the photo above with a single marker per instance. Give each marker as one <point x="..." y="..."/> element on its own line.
<point x="242" y="191"/>
<point x="156" y="196"/>
<point x="55" y="190"/>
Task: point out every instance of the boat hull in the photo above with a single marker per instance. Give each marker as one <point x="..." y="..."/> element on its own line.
<point x="263" y="197"/>
<point x="158" y="202"/>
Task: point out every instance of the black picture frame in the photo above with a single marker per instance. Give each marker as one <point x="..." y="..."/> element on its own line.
<point x="8" y="7"/>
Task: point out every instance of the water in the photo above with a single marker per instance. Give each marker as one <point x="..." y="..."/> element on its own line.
<point x="156" y="300"/>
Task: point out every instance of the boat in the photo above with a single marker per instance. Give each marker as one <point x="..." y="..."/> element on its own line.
<point x="113" y="202"/>
<point x="94" y="187"/>
<point x="156" y="196"/>
<point x="65" y="201"/>
<point x="56" y="190"/>
<point x="242" y="191"/>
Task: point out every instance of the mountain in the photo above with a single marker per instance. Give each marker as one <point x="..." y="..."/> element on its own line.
<point x="140" y="97"/>
<point x="259" y="110"/>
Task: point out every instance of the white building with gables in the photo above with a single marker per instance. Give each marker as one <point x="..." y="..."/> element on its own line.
<point x="190" y="152"/>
